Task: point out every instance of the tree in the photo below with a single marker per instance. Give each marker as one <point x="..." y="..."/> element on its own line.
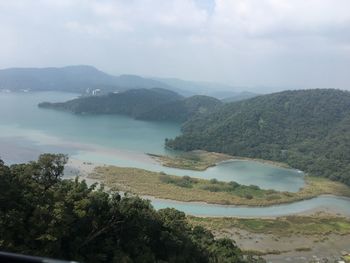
<point x="42" y="214"/>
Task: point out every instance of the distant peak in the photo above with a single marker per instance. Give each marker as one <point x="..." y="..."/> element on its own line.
<point x="81" y="67"/>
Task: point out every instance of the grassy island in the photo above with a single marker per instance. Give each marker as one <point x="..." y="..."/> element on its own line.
<point x="161" y="185"/>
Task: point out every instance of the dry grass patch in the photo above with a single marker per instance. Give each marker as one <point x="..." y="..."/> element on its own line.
<point x="160" y="185"/>
<point x="281" y="226"/>
<point x="194" y="160"/>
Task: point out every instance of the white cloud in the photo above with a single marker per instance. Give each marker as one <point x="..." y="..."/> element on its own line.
<point x="264" y="17"/>
<point x="230" y="40"/>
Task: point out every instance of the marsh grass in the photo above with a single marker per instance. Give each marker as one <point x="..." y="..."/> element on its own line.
<point x="161" y="185"/>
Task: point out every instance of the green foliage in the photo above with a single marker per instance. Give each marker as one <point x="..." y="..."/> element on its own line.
<point x="146" y="104"/>
<point x="41" y="214"/>
<point x="184" y="181"/>
<point x="213" y="186"/>
<point x="308" y="129"/>
<point x="131" y="102"/>
<point x="231" y="187"/>
<point x="182" y="110"/>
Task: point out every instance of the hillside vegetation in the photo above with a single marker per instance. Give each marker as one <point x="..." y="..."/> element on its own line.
<point x="147" y="104"/>
<point x="182" y="110"/>
<point x="307" y="129"/>
<point x="131" y="102"/>
<point x="41" y="214"/>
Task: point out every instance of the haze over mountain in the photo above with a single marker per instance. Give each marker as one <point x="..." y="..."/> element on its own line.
<point x="71" y="78"/>
<point x="89" y="80"/>
<point x="246" y="43"/>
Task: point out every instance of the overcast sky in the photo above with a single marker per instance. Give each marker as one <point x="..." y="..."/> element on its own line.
<point x="274" y="43"/>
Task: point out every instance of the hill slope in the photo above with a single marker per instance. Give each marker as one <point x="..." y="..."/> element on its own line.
<point x="131" y="102"/>
<point x="308" y="129"/>
<point x="182" y="110"/>
<point x="240" y="96"/>
<point x="145" y="104"/>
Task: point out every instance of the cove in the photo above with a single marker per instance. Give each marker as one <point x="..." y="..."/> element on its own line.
<point x="26" y="131"/>
<point x="243" y="172"/>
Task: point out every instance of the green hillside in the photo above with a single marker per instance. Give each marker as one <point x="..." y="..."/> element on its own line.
<point x="308" y="129"/>
<point x="132" y="102"/>
<point x="147" y="104"/>
<point x="182" y="110"/>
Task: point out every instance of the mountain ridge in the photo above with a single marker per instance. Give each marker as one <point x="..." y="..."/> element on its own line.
<point x="80" y="78"/>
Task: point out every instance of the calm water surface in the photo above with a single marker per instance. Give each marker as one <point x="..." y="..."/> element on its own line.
<point x="324" y="203"/>
<point x="26" y="131"/>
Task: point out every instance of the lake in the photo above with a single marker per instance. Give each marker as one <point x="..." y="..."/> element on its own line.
<point x="26" y="131"/>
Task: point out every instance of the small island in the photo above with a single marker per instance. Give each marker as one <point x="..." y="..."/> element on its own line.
<point x="188" y="189"/>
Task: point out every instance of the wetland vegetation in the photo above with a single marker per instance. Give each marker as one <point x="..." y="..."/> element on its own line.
<point x="161" y="185"/>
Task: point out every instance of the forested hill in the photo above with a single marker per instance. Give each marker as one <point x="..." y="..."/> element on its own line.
<point x="41" y="214"/>
<point x="308" y="129"/>
<point x="147" y="104"/>
<point x="131" y="102"/>
<point x="182" y="110"/>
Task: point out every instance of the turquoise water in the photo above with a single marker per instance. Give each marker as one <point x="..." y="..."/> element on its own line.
<point x="26" y="131"/>
<point x="21" y="116"/>
<point x="244" y="172"/>
<point x="326" y="203"/>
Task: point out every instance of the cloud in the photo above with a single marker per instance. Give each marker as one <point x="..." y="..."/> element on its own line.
<point x="220" y="40"/>
<point x="263" y="17"/>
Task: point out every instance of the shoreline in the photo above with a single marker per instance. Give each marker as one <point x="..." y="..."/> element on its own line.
<point x="292" y="238"/>
<point x="202" y="163"/>
<point x="84" y="169"/>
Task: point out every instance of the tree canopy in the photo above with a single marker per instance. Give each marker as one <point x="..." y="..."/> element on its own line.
<point x="147" y="104"/>
<point x="42" y="214"/>
<point x="308" y="129"/>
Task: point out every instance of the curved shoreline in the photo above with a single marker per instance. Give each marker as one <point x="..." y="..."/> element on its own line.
<point x="190" y="206"/>
<point x="215" y="159"/>
<point x="188" y="189"/>
<point x="312" y="205"/>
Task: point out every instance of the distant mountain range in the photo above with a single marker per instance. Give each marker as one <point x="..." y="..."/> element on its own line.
<point x="81" y="79"/>
<point x="89" y="80"/>
<point x="212" y="89"/>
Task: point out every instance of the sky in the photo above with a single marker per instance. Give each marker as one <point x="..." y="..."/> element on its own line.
<point x="261" y="44"/>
